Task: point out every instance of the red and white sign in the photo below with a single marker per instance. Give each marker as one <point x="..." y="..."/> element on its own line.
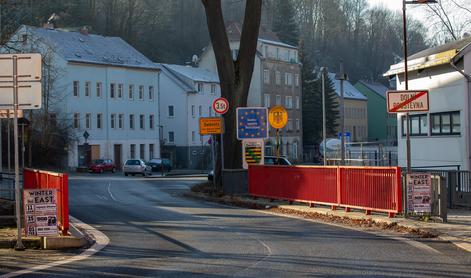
<point x="408" y="101"/>
<point x="221" y="105"/>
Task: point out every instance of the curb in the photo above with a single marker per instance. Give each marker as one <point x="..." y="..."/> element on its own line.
<point x="458" y="242"/>
<point x="76" y="240"/>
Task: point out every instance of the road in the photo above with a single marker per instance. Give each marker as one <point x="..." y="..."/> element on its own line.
<point x="156" y="232"/>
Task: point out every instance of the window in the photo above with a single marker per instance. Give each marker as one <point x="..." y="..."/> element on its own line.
<point x="199" y="86"/>
<point x="288" y="79"/>
<point x="266" y="76"/>
<point x="297" y="102"/>
<point x="120" y="90"/>
<point x="151" y="151"/>
<point x="151" y="93"/>
<point x="210" y="111"/>
<point x="193" y="136"/>
<point x="112" y="90"/>
<point x="295" y="151"/>
<point x="278" y="100"/>
<point x="151" y="121"/>
<point x="290" y="125"/>
<point x="171" y="112"/>
<point x="213" y="89"/>
<point x="266" y="100"/>
<point x="171" y="136"/>
<point x="131" y="92"/>
<point x="87" y="89"/>
<point x="278" y="78"/>
<point x="113" y="121"/>
<point x="277" y="53"/>
<point x="298" y="125"/>
<point x="193" y="111"/>
<point x="76" y="120"/>
<point x="200" y="110"/>
<point x="141" y="92"/>
<point x="418" y="125"/>
<point x="133" y="151"/>
<point x="98" y="89"/>
<point x="141" y="121"/>
<point x="289" y="102"/>
<point x="88" y="120"/>
<point x="99" y="120"/>
<point x="76" y="88"/>
<point x="142" y="150"/>
<point x="296" y="80"/>
<point x="131" y="121"/>
<point x="447" y="123"/>
<point x="121" y="121"/>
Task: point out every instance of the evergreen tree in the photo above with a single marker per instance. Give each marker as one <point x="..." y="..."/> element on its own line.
<point x="284" y="23"/>
<point x="312" y="104"/>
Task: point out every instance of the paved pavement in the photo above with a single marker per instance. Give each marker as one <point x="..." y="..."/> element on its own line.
<point x="457" y="230"/>
<point x="155" y="232"/>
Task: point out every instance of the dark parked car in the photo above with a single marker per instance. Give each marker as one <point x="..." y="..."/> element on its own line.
<point x="268" y="160"/>
<point x="160" y="165"/>
<point x="102" y="165"/>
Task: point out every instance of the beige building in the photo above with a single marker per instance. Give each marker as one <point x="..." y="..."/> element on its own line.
<point x="276" y="80"/>
<point x="355" y="109"/>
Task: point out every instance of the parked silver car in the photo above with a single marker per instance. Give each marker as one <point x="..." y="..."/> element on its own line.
<point x="136" y="166"/>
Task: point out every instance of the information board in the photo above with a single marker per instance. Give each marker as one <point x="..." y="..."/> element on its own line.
<point x="209" y="126"/>
<point x="252" y="152"/>
<point x="419" y="192"/>
<point x="40" y="207"/>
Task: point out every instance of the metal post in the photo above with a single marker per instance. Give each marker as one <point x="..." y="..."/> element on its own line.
<point x="8" y="142"/>
<point x="1" y="147"/>
<point x="214" y="160"/>
<point x="277" y="145"/>
<point x="222" y="145"/>
<point x="23" y="146"/>
<point x="18" y="196"/>
<point x="406" y="82"/>
<point x="342" y="118"/>
<point x="324" y="125"/>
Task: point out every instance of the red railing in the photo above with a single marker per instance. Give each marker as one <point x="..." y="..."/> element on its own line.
<point x="368" y="188"/>
<point x="38" y="179"/>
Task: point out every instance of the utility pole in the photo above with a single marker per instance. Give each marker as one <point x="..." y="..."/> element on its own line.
<point x="324" y="71"/>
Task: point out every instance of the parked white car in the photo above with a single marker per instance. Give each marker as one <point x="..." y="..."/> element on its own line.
<point x="136" y="166"/>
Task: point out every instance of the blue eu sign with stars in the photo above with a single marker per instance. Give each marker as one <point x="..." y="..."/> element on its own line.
<point x="252" y="123"/>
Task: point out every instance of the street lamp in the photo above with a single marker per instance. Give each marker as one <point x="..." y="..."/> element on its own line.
<point x="406" y="75"/>
<point x="342" y="76"/>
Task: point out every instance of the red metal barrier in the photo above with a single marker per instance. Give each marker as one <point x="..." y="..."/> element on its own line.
<point x="38" y="179"/>
<point x="368" y="188"/>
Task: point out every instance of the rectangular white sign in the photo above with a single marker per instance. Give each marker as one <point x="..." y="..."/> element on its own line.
<point x="407" y="101"/>
<point x="28" y="69"/>
<point x="40" y="212"/>
<point x="29" y="95"/>
<point x="419" y="192"/>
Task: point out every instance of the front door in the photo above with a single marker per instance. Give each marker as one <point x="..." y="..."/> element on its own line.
<point x="118" y="156"/>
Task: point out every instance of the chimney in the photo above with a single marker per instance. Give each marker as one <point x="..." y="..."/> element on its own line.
<point x="48" y="25"/>
<point x="84" y="30"/>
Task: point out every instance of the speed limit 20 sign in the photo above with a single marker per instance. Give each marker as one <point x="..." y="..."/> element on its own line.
<point x="220" y="105"/>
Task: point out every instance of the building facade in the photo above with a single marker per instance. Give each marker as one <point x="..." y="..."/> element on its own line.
<point x="355" y="110"/>
<point x="187" y="94"/>
<point x="102" y="87"/>
<point x="276" y="80"/>
<point x="441" y="136"/>
<point x="382" y="126"/>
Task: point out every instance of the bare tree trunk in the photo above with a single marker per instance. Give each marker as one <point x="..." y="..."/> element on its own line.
<point x="234" y="76"/>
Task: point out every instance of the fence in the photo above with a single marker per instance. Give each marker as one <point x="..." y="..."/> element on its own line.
<point x="7" y="198"/>
<point x="367" y="188"/>
<point x="37" y="179"/>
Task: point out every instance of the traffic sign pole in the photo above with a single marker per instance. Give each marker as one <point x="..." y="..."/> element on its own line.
<point x="18" y="196"/>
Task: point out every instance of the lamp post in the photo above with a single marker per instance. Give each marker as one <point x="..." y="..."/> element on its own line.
<point x="342" y="76"/>
<point x="406" y="75"/>
<point x="324" y="71"/>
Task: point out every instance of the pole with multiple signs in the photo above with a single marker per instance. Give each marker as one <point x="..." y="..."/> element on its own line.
<point x="221" y="106"/>
<point x="252" y="129"/>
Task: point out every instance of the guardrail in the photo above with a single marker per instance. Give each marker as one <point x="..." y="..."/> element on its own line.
<point x="367" y="188"/>
<point x="38" y="179"/>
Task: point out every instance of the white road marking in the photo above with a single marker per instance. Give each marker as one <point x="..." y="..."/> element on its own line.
<point x="101" y="240"/>
<point x="109" y="191"/>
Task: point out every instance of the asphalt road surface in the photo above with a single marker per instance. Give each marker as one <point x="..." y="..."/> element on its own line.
<point x="155" y="232"/>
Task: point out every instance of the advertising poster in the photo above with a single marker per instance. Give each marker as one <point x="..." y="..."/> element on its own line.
<point x="419" y="192"/>
<point x="40" y="212"/>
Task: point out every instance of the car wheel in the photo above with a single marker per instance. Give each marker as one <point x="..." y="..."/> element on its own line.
<point x="126" y="174"/>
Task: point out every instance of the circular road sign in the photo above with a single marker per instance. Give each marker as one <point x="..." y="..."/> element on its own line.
<point x="278" y="116"/>
<point x="220" y="105"/>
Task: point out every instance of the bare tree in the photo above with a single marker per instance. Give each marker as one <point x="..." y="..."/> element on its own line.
<point x="234" y="76"/>
<point x="450" y="20"/>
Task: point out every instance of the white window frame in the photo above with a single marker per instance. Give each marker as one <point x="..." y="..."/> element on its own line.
<point x="131" y="92"/>
<point x="266" y="100"/>
<point x="193" y="110"/>
<point x="76" y="88"/>
<point x="120" y="90"/>
<point x="112" y="90"/>
<point x="142" y="121"/>
<point x="278" y="100"/>
<point x="113" y="121"/>
<point x="88" y="91"/>
<point x="151" y="121"/>
<point x="141" y="92"/>
<point x="173" y="111"/>
<point x="213" y="89"/>
<point x="266" y="76"/>
<point x="200" y="87"/>
<point x="76" y="121"/>
<point x="296" y="80"/>
<point x="88" y="120"/>
<point x="200" y="110"/>
<point x="131" y="121"/>
<point x="296" y="102"/>
<point x="151" y="93"/>
<point x="171" y="139"/>
<point x="99" y="121"/>
<point x="278" y="78"/>
<point x="121" y="121"/>
<point x="99" y="89"/>
<point x="289" y="102"/>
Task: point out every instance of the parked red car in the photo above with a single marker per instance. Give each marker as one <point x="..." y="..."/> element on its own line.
<point x="102" y="165"/>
